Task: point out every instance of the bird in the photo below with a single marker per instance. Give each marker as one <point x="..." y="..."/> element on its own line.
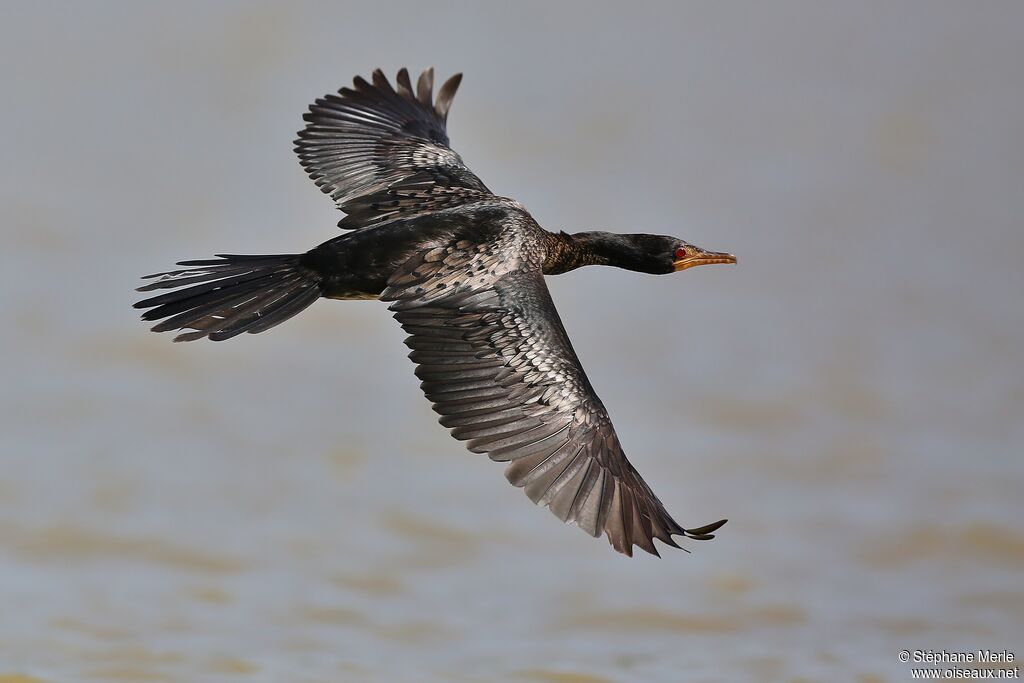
<point x="462" y="270"/>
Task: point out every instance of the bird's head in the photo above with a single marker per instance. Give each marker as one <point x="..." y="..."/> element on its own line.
<point x="686" y="255"/>
<point x="654" y="254"/>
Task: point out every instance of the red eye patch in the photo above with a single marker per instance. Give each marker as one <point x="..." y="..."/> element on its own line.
<point x="680" y="254"/>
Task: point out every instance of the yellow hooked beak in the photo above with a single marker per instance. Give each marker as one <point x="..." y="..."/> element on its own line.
<point x="695" y="256"/>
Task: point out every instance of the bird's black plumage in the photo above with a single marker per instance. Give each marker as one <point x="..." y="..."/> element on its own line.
<point x="383" y="153"/>
<point x="463" y="270"/>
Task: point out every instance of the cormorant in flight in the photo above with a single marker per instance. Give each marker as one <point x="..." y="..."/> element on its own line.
<point x="463" y="270"/>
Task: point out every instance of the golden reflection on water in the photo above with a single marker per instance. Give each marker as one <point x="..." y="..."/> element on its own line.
<point x="232" y="665"/>
<point x="652" y="620"/>
<point x="544" y="676"/>
<point x="380" y="584"/>
<point x="981" y="541"/>
<point x="70" y="544"/>
<point x="210" y="595"/>
<point x="331" y="616"/>
<point x="430" y="544"/>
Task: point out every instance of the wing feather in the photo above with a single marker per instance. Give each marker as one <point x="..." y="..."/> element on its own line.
<point x="381" y="152"/>
<point x="496" y="363"/>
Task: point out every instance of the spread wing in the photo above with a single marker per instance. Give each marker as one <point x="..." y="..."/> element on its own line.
<point x="381" y="152"/>
<point x="498" y="366"/>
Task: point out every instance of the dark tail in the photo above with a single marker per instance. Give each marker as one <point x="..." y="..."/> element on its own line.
<point x="224" y="297"/>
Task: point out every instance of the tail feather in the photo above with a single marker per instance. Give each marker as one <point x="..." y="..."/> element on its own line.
<point x="224" y="297"/>
<point x="217" y="309"/>
<point x="207" y="298"/>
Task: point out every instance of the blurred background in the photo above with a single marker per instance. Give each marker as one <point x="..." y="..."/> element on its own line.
<point x="284" y="507"/>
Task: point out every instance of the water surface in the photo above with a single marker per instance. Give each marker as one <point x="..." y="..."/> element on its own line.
<point x="283" y="507"/>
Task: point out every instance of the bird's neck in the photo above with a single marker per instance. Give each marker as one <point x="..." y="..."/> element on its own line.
<point x="567" y="252"/>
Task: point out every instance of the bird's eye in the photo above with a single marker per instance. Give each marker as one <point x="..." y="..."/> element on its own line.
<point x="680" y="254"/>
